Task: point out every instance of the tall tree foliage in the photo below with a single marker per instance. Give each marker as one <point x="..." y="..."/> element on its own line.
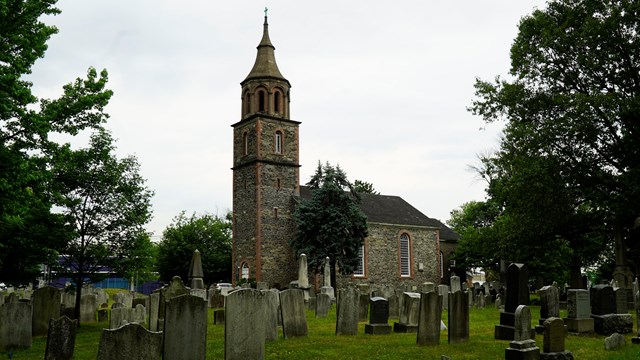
<point x="29" y="233"/>
<point x="106" y="203"/>
<point x="207" y="233"/>
<point x="331" y="222"/>
<point x="568" y="163"/>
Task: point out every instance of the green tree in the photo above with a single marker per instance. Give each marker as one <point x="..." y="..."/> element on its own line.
<point x="330" y="223"/>
<point x="30" y="233"/>
<point x="364" y="187"/>
<point x="573" y="124"/>
<point x="106" y="203"/>
<point x="207" y="233"/>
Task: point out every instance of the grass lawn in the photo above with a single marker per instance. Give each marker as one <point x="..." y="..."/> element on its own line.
<point x="323" y="344"/>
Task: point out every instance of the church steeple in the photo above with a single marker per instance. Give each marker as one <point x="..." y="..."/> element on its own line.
<point x="265" y="66"/>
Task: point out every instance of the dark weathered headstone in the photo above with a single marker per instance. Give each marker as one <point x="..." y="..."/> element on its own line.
<point x="15" y="325"/>
<point x="430" y="318"/>
<point x="61" y="339"/>
<point x="409" y="314"/>
<point x="393" y="305"/>
<point x="622" y="304"/>
<point x="323" y="303"/>
<point x="185" y="330"/>
<point x="549" y="305"/>
<point x="347" y="311"/>
<point x="244" y="327"/>
<point x="103" y="315"/>
<point x="517" y="294"/>
<point x="216" y="299"/>
<point x="522" y="347"/>
<point x="294" y="320"/>
<point x="131" y="341"/>
<point x="458" y="317"/>
<point x="378" y="317"/>
<point x="603" y="300"/>
<point x="603" y="312"/>
<point x="46" y="306"/>
<point x="88" y="307"/>
<point x="554" y="333"/>
<point x="218" y="317"/>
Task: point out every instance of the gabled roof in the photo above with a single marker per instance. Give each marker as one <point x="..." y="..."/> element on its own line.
<point x="389" y="209"/>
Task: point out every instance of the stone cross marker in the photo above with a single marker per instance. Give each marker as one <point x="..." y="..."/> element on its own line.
<point x="61" y="339"/>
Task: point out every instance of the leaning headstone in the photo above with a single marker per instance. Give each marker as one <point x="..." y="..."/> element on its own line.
<point x="294" y="320"/>
<point x="271" y="301"/>
<point x="614" y="342"/>
<point x="323" y="303"/>
<point x="603" y="311"/>
<point x="88" y="307"/>
<point x="119" y="316"/>
<point x="46" y="306"/>
<point x="15" y="326"/>
<point x="61" y="339"/>
<point x="522" y="347"/>
<point x="244" y="327"/>
<point x="636" y="305"/>
<point x="130" y="341"/>
<point x="458" y="317"/>
<point x="185" y="330"/>
<point x="347" y="311"/>
<point x="430" y="318"/>
<point x="409" y="314"/>
<point x="378" y="317"/>
<point x="553" y="341"/>
<point x="443" y="290"/>
<point x="578" y="318"/>
<point x="517" y="294"/>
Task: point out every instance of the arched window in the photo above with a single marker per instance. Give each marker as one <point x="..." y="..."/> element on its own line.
<point x="245" y="143"/>
<point x="360" y="268"/>
<point x="261" y="101"/>
<point x="245" y="271"/>
<point x="247" y="103"/>
<point x="277" y="99"/>
<point x="405" y="255"/>
<point x="278" y="142"/>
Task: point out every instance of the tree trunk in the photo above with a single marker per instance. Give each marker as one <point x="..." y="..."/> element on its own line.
<point x="575" y="275"/>
<point x="79" y="284"/>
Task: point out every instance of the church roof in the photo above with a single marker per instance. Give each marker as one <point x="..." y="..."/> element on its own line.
<point x="389" y="209"/>
<point x="265" y="65"/>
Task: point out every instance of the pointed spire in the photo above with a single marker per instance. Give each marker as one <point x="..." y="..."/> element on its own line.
<point x="265" y="65"/>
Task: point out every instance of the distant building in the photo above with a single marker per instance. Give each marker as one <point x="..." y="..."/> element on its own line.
<point x="403" y="246"/>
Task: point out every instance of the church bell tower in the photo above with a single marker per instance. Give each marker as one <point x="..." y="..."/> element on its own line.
<point x="266" y="174"/>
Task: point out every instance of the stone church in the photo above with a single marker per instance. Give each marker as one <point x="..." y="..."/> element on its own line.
<point x="403" y="246"/>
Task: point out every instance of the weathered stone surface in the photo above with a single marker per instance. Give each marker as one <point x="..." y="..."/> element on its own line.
<point x="347" y="311"/>
<point x="443" y="290"/>
<point x="61" y="339"/>
<point x="196" y="274"/>
<point x="409" y="313"/>
<point x="378" y="317"/>
<point x="140" y="314"/>
<point x="455" y="284"/>
<point x="216" y="299"/>
<point x="458" y="318"/>
<point x="294" y="320"/>
<point x="46" y="306"/>
<point x="603" y="300"/>
<point x="173" y="289"/>
<point x="185" y="330"/>
<point x="517" y="294"/>
<point x="271" y="301"/>
<point x="125" y="298"/>
<point x="323" y="303"/>
<point x="15" y="325"/>
<point x="428" y="287"/>
<point x="430" y="318"/>
<point x="244" y="326"/>
<point x="622" y="305"/>
<point x="88" y="307"/>
<point x="612" y="323"/>
<point x="218" y="317"/>
<point x="578" y="303"/>
<point x="120" y="316"/>
<point x="522" y="347"/>
<point x="154" y="305"/>
<point x="554" y="334"/>
<point x="615" y="341"/>
<point x="522" y="326"/>
<point x="131" y="341"/>
<point x="363" y="306"/>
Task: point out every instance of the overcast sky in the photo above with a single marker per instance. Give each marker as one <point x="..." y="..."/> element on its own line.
<point x="381" y="88"/>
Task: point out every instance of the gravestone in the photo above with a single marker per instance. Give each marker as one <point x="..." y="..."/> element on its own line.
<point x="429" y="319"/>
<point x="549" y="305"/>
<point x="578" y="318"/>
<point x="173" y="289"/>
<point x="636" y="305"/>
<point x="46" y="306"/>
<point x="603" y="312"/>
<point x="458" y="317"/>
<point x="15" y="325"/>
<point x="144" y="301"/>
<point x="69" y="299"/>
<point x="522" y="347"/>
<point x="479" y="301"/>
<point x="553" y="341"/>
<point x="125" y="298"/>
<point x="378" y="317"/>
<point x="363" y="306"/>
<point x="61" y="339"/>
<point x="196" y="274"/>
<point x="303" y="276"/>
<point x="244" y="326"/>
<point x="347" y="311"/>
<point x="443" y="290"/>
<point x="326" y="284"/>
<point x="323" y="303"/>
<point x="139" y="314"/>
<point x="455" y="284"/>
<point x="622" y="305"/>
<point x="216" y="299"/>
<point x="294" y="320"/>
<point x="218" y="317"/>
<point x="614" y="342"/>
<point x="119" y="316"/>
<point x="409" y="314"/>
<point x="102" y="296"/>
<point x="88" y="307"/>
<point x="154" y="305"/>
<point x="517" y="294"/>
<point x="130" y="341"/>
<point x="117" y="305"/>
<point x="272" y="314"/>
<point x="185" y="330"/>
<point x="428" y="287"/>
<point x="103" y="315"/>
<point x="393" y="305"/>
<point x="498" y="302"/>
